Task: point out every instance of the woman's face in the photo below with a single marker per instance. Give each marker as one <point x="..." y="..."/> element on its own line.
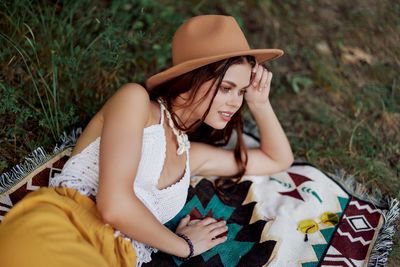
<point x="229" y="97"/>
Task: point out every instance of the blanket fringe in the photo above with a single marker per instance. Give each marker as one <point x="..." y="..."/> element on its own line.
<point x="384" y="242"/>
<point x="67" y="140"/>
<point x="391" y="207"/>
<point x="391" y="214"/>
<point x="379" y="254"/>
<point x="36" y="158"/>
<point x="357" y="189"/>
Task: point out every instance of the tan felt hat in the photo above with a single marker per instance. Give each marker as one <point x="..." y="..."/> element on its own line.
<point x="206" y="39"/>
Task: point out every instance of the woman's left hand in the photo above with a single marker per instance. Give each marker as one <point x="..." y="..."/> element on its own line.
<point x="258" y="91"/>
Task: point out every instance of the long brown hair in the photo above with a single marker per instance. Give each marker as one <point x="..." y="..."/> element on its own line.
<point x="200" y="131"/>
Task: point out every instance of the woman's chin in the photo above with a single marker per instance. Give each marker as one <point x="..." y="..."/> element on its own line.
<point x="216" y="125"/>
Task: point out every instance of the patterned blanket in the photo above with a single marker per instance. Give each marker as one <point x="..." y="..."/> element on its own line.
<point x="263" y="216"/>
<point x="275" y="220"/>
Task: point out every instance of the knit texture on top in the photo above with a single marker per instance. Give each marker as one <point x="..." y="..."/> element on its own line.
<point x="81" y="172"/>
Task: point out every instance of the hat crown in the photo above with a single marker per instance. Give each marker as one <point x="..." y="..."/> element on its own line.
<point x="204" y="40"/>
<point x="207" y="36"/>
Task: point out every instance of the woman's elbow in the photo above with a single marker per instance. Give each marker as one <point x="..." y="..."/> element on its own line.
<point x="287" y="162"/>
<point x="109" y="208"/>
<point x="113" y="208"/>
<point x="291" y="159"/>
<point x="108" y="215"/>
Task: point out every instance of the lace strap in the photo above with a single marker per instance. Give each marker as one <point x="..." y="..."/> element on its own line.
<point x="181" y="137"/>
<point x="161" y="114"/>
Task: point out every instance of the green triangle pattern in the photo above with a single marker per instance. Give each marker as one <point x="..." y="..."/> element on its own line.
<point x="219" y="210"/>
<point x="327" y="233"/>
<point x="230" y="259"/>
<point x="319" y="249"/>
<point x="310" y="264"/>
<point x="343" y="202"/>
<point x="215" y="204"/>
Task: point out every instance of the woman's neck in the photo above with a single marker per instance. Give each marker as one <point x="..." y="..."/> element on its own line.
<point x="186" y="115"/>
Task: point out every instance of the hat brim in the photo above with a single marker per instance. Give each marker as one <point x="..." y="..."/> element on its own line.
<point x="261" y="56"/>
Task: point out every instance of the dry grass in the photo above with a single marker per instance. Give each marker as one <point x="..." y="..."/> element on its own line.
<point x="336" y="91"/>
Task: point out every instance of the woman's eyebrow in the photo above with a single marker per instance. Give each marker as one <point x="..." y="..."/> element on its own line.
<point x="234" y="84"/>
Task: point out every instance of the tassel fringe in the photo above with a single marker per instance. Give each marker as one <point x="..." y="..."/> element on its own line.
<point x="351" y="186"/>
<point x="383" y="244"/>
<point x="391" y="214"/>
<point x="391" y="206"/>
<point x="35" y="159"/>
<point x="67" y="140"/>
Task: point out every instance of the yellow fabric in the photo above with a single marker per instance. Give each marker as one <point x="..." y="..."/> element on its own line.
<point x="60" y="227"/>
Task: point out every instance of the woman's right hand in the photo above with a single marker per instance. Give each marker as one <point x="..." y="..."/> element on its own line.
<point x="203" y="233"/>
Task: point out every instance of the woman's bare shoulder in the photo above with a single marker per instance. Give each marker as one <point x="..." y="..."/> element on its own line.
<point x="130" y="100"/>
<point x="130" y="93"/>
<point x="126" y="108"/>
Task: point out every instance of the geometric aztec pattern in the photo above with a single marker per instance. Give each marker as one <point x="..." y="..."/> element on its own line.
<point x="347" y="244"/>
<point x="243" y="246"/>
<point x="352" y="239"/>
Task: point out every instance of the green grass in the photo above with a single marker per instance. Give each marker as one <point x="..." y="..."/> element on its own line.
<point x="60" y="60"/>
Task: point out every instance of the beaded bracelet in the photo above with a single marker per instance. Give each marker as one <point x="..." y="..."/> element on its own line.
<point x="190" y="244"/>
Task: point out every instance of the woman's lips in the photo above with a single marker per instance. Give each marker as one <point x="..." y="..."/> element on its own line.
<point x="226" y="115"/>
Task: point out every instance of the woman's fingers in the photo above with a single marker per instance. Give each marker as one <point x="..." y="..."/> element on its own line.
<point x="185" y="220"/>
<point x="217" y="241"/>
<point x="253" y="72"/>
<point x="254" y="69"/>
<point x="191" y="222"/>
<point x="213" y="226"/>
<point x="203" y="233"/>
<point x="208" y="221"/>
<point x="217" y="231"/>
<point x="264" y="79"/>
<point x="257" y="76"/>
<point x="269" y="79"/>
<point x="261" y="77"/>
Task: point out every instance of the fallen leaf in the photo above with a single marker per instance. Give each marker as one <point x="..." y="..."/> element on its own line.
<point x="354" y="55"/>
<point x="323" y="48"/>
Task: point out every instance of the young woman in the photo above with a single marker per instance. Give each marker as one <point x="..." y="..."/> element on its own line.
<point x="135" y="160"/>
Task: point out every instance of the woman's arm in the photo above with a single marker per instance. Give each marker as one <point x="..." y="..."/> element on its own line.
<point x="274" y="154"/>
<point x="273" y="141"/>
<point x="125" y="116"/>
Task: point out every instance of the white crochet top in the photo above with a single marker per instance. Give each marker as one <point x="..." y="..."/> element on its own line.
<point x="81" y="172"/>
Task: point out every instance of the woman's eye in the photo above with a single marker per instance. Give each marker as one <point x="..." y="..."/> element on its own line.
<point x="242" y="92"/>
<point x="225" y="89"/>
